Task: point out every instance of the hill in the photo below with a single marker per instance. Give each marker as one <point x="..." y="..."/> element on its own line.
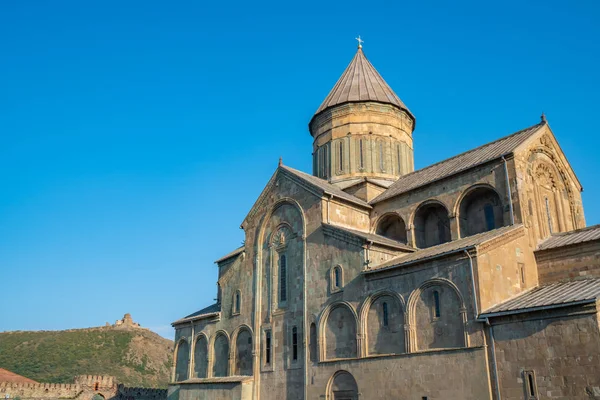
<point x="135" y="356"/>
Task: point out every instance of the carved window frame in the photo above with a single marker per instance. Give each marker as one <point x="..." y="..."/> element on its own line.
<point x="236" y="306"/>
<point x="531" y="389"/>
<point x="334" y="285"/>
<point x="266" y="345"/>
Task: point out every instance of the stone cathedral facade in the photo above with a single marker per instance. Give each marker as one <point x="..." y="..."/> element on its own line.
<point x="472" y="278"/>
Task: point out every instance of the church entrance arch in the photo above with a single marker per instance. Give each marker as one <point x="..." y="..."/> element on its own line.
<point x="342" y="386"/>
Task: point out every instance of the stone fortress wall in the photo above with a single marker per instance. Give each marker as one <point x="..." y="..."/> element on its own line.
<point x="85" y="387"/>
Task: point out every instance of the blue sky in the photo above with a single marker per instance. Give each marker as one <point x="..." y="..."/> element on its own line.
<point x="135" y="136"/>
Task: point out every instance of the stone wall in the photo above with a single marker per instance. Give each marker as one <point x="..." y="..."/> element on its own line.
<point x="446" y="374"/>
<point x="561" y="348"/>
<point x="85" y="387"/>
<point x="240" y="390"/>
<point x="570" y="262"/>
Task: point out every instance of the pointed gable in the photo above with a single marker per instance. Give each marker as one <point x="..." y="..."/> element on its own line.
<point x="361" y="82"/>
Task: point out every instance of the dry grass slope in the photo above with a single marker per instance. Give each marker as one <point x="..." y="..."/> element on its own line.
<point x="136" y="357"/>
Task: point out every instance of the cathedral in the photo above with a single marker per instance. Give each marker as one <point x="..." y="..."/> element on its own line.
<point x="473" y="278"/>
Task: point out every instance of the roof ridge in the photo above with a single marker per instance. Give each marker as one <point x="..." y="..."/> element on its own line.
<point x="474" y="149"/>
<point x="535" y="126"/>
<point x="587" y="228"/>
<point x="325" y="186"/>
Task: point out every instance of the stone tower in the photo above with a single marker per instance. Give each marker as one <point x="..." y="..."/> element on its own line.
<point x="362" y="131"/>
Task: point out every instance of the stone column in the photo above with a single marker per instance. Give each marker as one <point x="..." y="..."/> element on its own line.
<point x="454" y="228"/>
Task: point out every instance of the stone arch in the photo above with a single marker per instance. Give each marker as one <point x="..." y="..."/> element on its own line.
<point x="479" y="209"/>
<point x="201" y="356"/>
<point x="182" y="360"/>
<point x="242" y="350"/>
<point x="551" y="192"/>
<point x="342" y="385"/>
<point x="556" y="163"/>
<point x="383" y="334"/>
<point x="338" y="331"/>
<point x="431" y="221"/>
<point x="220" y="354"/>
<point x="392" y="226"/>
<point x="262" y="271"/>
<point x="264" y="221"/>
<point x="447" y="329"/>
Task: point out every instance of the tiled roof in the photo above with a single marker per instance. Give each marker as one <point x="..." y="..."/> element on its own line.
<point x="373" y="238"/>
<point x="554" y="294"/>
<point x="445" y="248"/>
<point x="9" y="376"/>
<point x="361" y="82"/>
<point x="459" y="163"/>
<point x="572" y="237"/>
<point x="205" y="312"/>
<point x="234" y="253"/>
<point x="325" y="186"/>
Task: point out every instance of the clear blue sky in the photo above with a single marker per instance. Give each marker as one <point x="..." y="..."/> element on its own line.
<point x="135" y="136"/>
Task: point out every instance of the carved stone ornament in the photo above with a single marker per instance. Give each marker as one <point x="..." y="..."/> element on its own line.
<point x="281" y="236"/>
<point x="546" y="141"/>
<point x="544" y="176"/>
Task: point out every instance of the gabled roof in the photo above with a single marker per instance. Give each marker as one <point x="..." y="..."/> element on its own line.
<point x="371" y="237"/>
<point x="234" y="253"/>
<point x="9" y="376"/>
<point x="324" y="186"/>
<point x="361" y="82"/>
<point x="445" y="248"/>
<point x="459" y="163"/>
<point x="558" y="294"/>
<point x="588" y="234"/>
<point x="210" y="311"/>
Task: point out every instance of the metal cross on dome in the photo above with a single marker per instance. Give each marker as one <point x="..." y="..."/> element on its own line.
<point x="360" y="41"/>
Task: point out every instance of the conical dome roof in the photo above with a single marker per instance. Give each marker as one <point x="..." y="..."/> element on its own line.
<point x="361" y="82"/>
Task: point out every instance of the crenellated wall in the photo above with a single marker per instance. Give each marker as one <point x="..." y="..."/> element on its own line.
<point x="85" y="387"/>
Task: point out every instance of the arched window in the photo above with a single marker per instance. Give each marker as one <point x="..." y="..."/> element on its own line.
<point x="549" y="215"/>
<point x="268" y="347"/>
<point x="480" y="211"/>
<point x="392" y="227"/>
<point x="237" y="302"/>
<point x="361" y="154"/>
<point x="326" y="162"/>
<point x="341" y="156"/>
<point x="432" y="225"/>
<point x="488" y="210"/>
<point x="384" y="310"/>
<point x="399" y="159"/>
<point x="294" y="344"/>
<point x="336" y="279"/>
<point x="381" y="157"/>
<point x="313" y="342"/>
<point x="436" y="304"/>
<point x="282" y="278"/>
